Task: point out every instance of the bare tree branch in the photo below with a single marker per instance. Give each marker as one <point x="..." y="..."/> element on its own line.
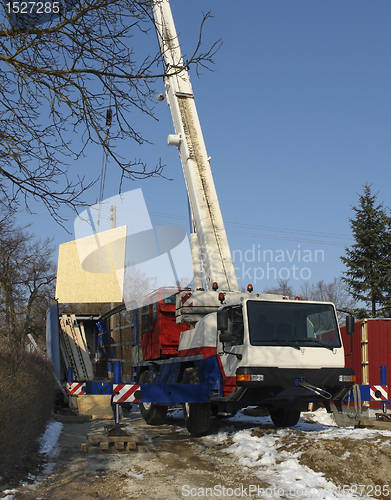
<point x="57" y="81"/>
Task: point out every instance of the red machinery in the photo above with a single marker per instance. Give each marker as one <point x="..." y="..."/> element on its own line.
<point x="160" y="332"/>
<point x="370" y="357"/>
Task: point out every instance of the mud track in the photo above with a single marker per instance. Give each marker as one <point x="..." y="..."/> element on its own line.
<point x="177" y="464"/>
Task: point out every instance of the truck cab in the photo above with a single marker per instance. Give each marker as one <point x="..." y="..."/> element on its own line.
<point x="277" y="354"/>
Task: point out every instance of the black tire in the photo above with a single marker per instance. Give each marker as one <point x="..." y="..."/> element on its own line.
<point x="153" y="414"/>
<point x="196" y="415"/>
<point x="283" y="417"/>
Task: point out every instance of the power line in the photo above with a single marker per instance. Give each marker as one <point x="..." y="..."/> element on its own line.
<point x="237" y="229"/>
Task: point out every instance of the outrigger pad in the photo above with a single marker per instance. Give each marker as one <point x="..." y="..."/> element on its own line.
<point x="345" y="419"/>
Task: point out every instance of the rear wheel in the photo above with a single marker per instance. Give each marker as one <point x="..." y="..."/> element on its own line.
<point x="283" y="417"/>
<point x="152" y="413"/>
<point x="196" y="415"/>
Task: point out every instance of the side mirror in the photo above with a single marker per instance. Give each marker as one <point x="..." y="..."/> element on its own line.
<point x="225" y="337"/>
<point x="349" y="325"/>
<point x="222" y="320"/>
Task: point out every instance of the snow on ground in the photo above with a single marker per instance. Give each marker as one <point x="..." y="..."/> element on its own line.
<point x="9" y="494"/>
<point x="49" y="439"/>
<point x="274" y="464"/>
<point x="273" y="455"/>
<point x="48" y="446"/>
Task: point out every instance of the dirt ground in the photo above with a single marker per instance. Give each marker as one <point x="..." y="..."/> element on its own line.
<point x="177" y="462"/>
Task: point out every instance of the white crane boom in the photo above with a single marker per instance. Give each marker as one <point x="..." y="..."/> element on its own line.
<point x="207" y="219"/>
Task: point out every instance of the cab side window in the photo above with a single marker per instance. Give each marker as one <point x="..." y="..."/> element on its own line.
<point x="235" y="326"/>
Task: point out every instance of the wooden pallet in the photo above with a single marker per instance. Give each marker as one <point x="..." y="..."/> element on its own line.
<point x="125" y="443"/>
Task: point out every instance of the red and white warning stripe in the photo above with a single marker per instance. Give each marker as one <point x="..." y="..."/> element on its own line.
<point x="75" y="388"/>
<point x="378" y="392"/>
<point x="124" y="393"/>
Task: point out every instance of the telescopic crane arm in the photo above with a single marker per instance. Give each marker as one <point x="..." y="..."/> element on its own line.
<point x="207" y="219"/>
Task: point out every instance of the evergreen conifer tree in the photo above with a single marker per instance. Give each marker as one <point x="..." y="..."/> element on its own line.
<point x="368" y="261"/>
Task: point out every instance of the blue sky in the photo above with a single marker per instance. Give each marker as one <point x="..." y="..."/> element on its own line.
<point x="296" y="117"/>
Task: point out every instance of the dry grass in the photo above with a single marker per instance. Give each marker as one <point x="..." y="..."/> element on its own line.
<point x="26" y="403"/>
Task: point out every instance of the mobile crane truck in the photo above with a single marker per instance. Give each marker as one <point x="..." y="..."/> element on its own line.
<point x="237" y="349"/>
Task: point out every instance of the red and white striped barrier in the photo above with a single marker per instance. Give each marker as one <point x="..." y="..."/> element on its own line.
<point x="75" y="388"/>
<point x="124" y="393"/>
<point x="378" y="392"/>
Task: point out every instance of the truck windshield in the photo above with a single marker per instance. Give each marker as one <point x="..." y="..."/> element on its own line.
<point x="296" y="324"/>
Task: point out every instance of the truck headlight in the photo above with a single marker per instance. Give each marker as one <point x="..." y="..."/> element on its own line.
<point x="247" y="377"/>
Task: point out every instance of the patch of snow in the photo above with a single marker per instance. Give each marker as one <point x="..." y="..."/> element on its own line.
<point x="48" y="446"/>
<point x="330" y="430"/>
<point x="135" y="475"/>
<point x="268" y="457"/>
<point x="9" y="494"/>
<point x="49" y="439"/>
<point x="321" y="416"/>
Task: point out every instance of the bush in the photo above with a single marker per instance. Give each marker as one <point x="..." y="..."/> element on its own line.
<point x="26" y="403"/>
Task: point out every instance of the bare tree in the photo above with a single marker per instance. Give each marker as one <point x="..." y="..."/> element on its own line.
<point x="283" y="288"/>
<point x="63" y="78"/>
<point x="335" y="292"/>
<point x="27" y="275"/>
<point x="38" y="284"/>
<point x="137" y="286"/>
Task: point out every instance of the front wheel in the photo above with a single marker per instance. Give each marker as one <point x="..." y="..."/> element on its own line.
<point x="153" y="414"/>
<point x="196" y="415"/>
<point x="282" y="417"/>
